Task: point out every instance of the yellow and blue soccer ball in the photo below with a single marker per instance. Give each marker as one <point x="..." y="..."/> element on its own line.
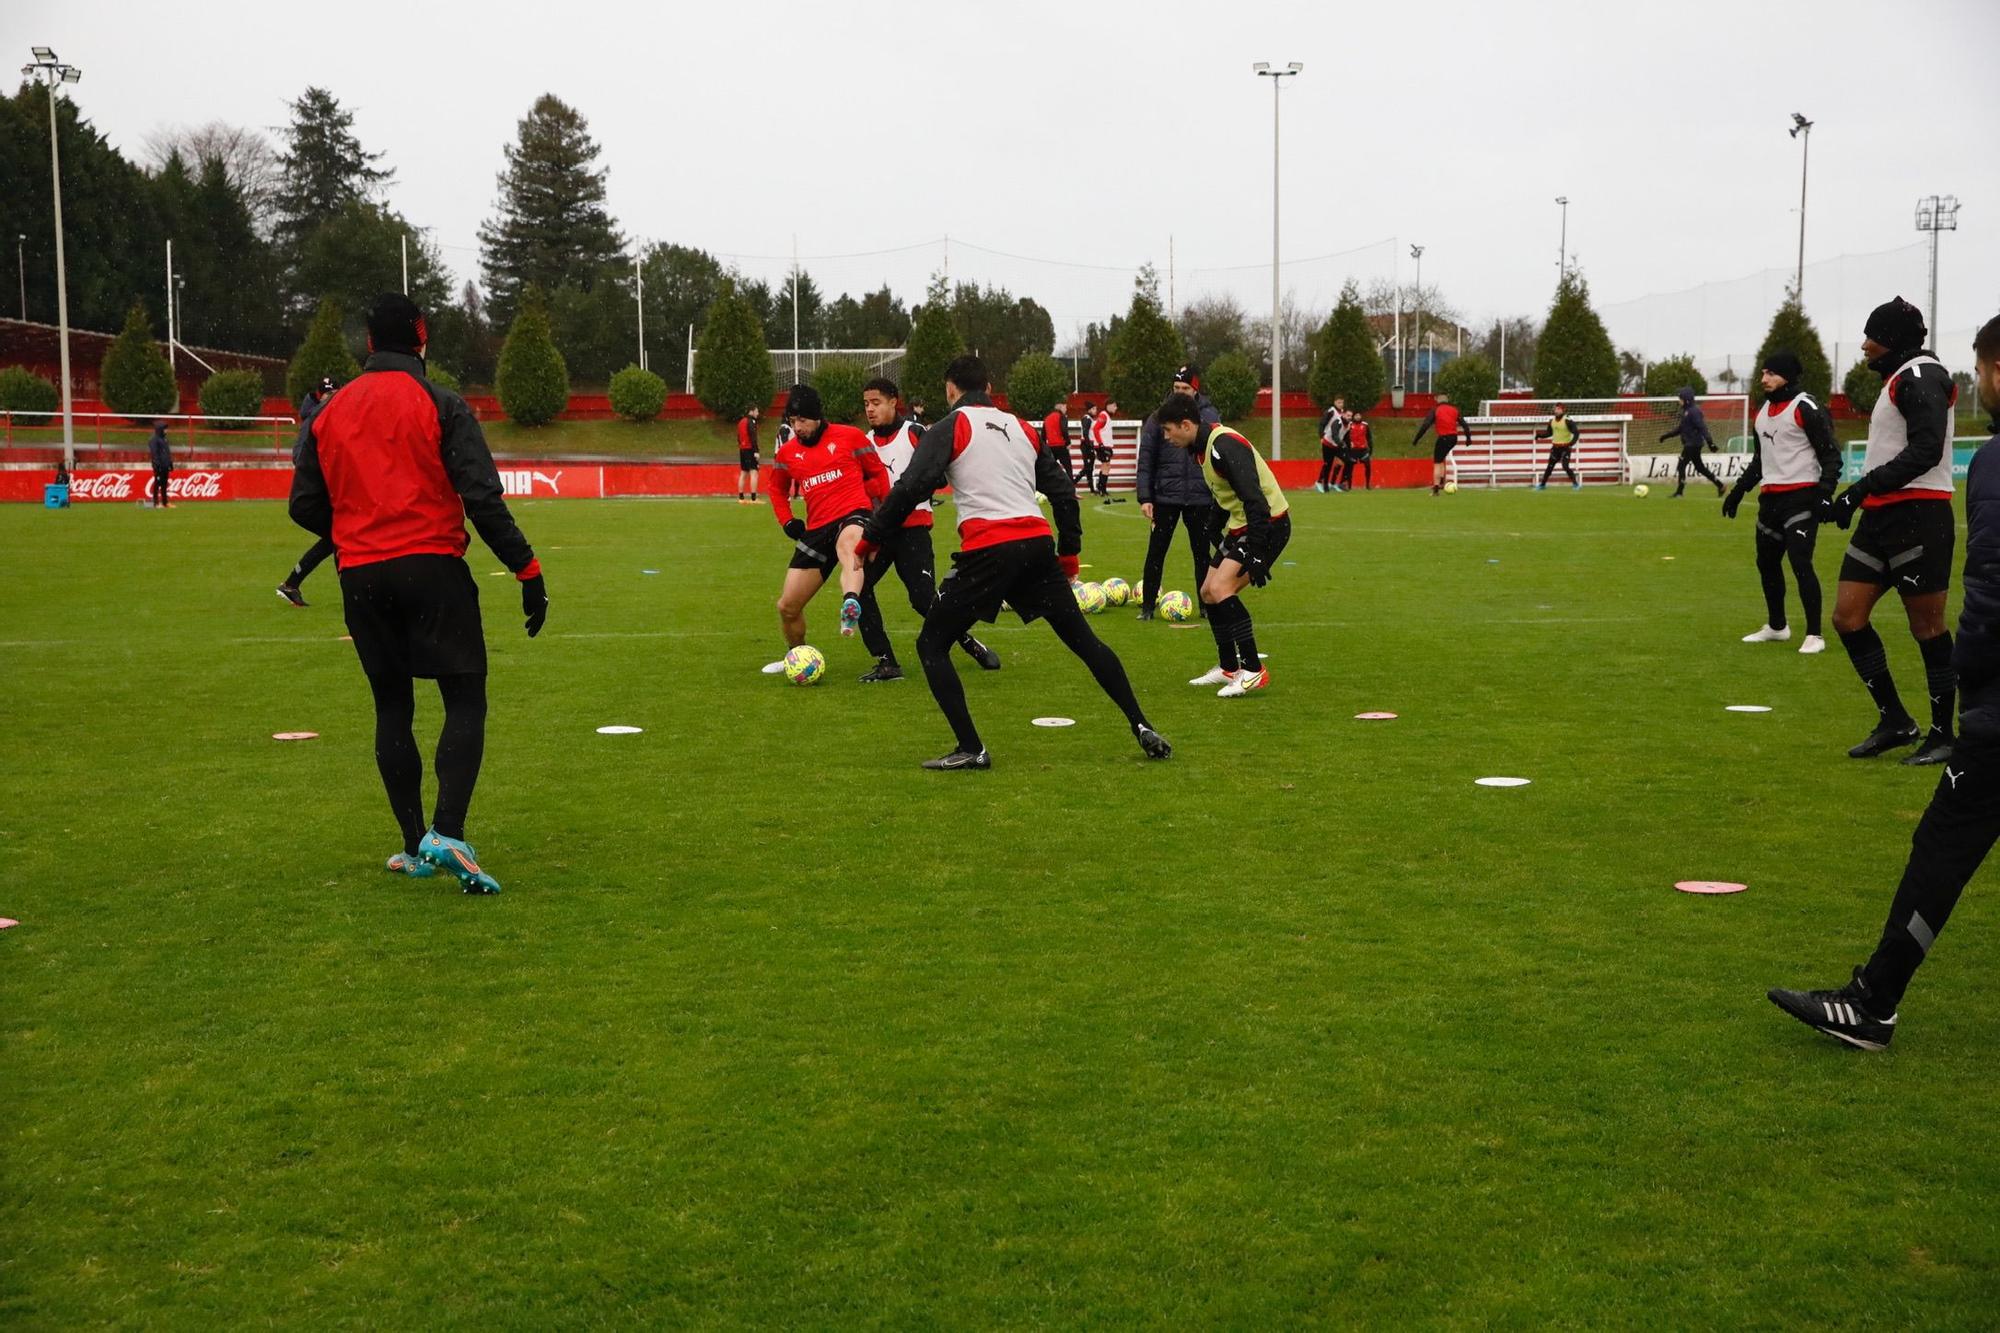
<point x="1090" y="597"/>
<point x="1176" y="606"/>
<point x="1451" y="488"/>
<point x="804" y="665"/>
<point x="1640" y="490"/>
<point x="1117" y="591"/>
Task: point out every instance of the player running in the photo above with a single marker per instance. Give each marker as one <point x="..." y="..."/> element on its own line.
<point x="908" y="550"/>
<point x="1561" y="434"/>
<point x="1692" y="431"/>
<point x="835" y="468"/>
<point x="1449" y="423"/>
<point x="390" y="469"/>
<point x="1799" y="466"/>
<point x="1906" y="533"/>
<point x="1007" y="556"/>
<point x="746" y="456"/>
<point x="1963" y="819"/>
<point x="317" y="553"/>
<point x="1255" y="524"/>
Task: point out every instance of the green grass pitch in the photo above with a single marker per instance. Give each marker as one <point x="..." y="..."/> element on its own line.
<point x="772" y="1028"/>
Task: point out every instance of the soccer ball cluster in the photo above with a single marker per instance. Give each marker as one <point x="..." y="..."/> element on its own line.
<point x="1094" y="597"/>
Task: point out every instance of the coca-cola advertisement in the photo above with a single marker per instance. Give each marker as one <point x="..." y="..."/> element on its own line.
<point x="135" y="486"/>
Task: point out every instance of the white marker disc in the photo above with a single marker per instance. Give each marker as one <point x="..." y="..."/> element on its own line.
<point x="1055" y="721"/>
<point x="1745" y="708"/>
<point x="619" y="731"/>
<point x="1501" y="782"/>
<point x="295" y="735"/>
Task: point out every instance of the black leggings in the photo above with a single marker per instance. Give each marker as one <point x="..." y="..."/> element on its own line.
<point x="1165" y="516"/>
<point x="1559" y="454"/>
<point x="1795" y="542"/>
<point x="1327" y="459"/>
<point x="946" y="626"/>
<point x="1691" y="458"/>
<point x="912" y="554"/>
<point x="1353" y="461"/>
<point x="315" y="555"/>
<point x="460" y="748"/>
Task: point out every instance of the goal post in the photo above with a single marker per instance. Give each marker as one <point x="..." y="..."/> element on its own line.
<point x="1728" y="417"/>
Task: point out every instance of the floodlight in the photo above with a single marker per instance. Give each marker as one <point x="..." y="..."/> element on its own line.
<point x="1262" y="67"/>
<point x="44" y="55"/>
<point x="1295" y="67"/>
<point x="71" y="74"/>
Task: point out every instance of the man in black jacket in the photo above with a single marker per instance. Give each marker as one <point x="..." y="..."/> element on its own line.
<point x="1963" y="819"/>
<point x="161" y="454"/>
<point x="1172" y="490"/>
<point x="317" y="553"/>
<point x="1692" y="431"/>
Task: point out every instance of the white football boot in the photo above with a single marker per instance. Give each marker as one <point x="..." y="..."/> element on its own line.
<point x="1765" y="634"/>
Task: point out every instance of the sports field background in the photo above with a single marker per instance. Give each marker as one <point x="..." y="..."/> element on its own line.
<point x="769" y="1026"/>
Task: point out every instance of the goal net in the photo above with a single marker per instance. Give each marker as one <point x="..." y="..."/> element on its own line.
<point x="1728" y="417"/>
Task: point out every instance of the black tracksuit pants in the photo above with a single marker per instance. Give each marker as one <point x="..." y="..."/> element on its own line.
<point x="315" y="555"/>
<point x="1350" y="461"/>
<point x="1560" y="453"/>
<point x="1327" y="459"/>
<point x="1165" y="516"/>
<point x="1691" y="458"/>
<point x="912" y="555"/>
<point x="1083" y="479"/>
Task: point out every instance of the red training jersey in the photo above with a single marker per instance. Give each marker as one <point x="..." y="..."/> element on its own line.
<point x="746" y="434"/>
<point x="1448" y="420"/>
<point x="378" y="442"/>
<point x="838" y="474"/>
<point x="1357" y="436"/>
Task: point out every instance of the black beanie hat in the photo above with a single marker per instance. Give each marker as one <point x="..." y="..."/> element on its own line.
<point x="803" y="401"/>
<point x="1785" y="364"/>
<point x="395" y="324"/>
<point x="1897" y="325"/>
<point x="1188" y="374"/>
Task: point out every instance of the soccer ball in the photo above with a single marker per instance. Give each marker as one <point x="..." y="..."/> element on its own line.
<point x="1117" y="591"/>
<point x="1640" y="490"/>
<point x="1139" y="592"/>
<point x="1451" y="488"/>
<point x="1090" y="597"/>
<point x="1176" y="606"/>
<point x="804" y="665"/>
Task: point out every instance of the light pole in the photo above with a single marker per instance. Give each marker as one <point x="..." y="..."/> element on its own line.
<point x="1277" y="78"/>
<point x="1562" y="245"/>
<point x="50" y="72"/>
<point x="180" y="309"/>
<point x="1417" y="309"/>
<point x="1802" y="131"/>
<point x="21" y="263"/>
<point x="1935" y="214"/>
<point x="639" y="300"/>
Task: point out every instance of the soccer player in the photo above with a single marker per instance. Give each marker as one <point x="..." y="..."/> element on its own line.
<point x="318" y="552"/>
<point x="1101" y="438"/>
<point x="1962" y="821"/>
<point x="1172" y="491"/>
<point x="1006" y="555"/>
<point x="1256" y="522"/>
<point x="908" y="550"/>
<point x="1332" y="445"/>
<point x="1086" y="450"/>
<point x="390" y="468"/>
<point x="161" y="455"/>
<point x="1692" y="431"/>
<point x="1055" y="435"/>
<point x="1449" y="422"/>
<point x="746" y="456"/>
<point x="1360" y="451"/>
<point x="1560" y="432"/>
<point x="1906" y="532"/>
<point x="835" y="468"/>
<point x="1799" y="466"/>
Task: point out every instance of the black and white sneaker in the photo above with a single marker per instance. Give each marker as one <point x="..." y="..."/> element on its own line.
<point x="1843" y="1014"/>
<point x="1886" y="737"/>
<point x="1936" y="749"/>
<point x="959" y="759"/>
<point x="1152" y="742"/>
<point x="980" y="653"/>
<point x="884" y="670"/>
<point x="291" y="594"/>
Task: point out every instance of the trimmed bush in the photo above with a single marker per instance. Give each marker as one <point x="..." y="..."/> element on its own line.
<point x="441" y="377"/>
<point x="137" y="378"/>
<point x="1574" y="357"/>
<point x="532" y="381"/>
<point x="1664" y="378"/>
<point x="1141" y="358"/>
<point x="637" y="394"/>
<point x="1231" y="384"/>
<point x="1035" y="384"/>
<point x="233" y="393"/>
<point x="1862" y="387"/>
<point x="839" y="380"/>
<point x="1791" y="331"/>
<point x="22" y="390"/>
<point x="1470" y="380"/>
<point x="1346" y="363"/>
<point x="323" y="355"/>
<point x="732" y="369"/>
<point x="933" y="344"/>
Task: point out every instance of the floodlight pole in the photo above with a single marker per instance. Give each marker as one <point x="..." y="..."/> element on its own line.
<point x="1417" y="310"/>
<point x="1802" y="131"/>
<point x="403" y="243"/>
<point x="51" y="72"/>
<point x="1938" y="213"/>
<point x="639" y="301"/>
<point x="21" y="263"/>
<point x="1277" y="77"/>
<point x="171" y="363"/>
<point x="1562" y="245"/>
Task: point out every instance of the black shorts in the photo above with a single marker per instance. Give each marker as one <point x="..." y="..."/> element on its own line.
<point x="1236" y="547"/>
<point x="416" y="615"/>
<point x="1906" y="546"/>
<point x="1442" y="449"/>
<point x="1787" y="516"/>
<point x="746" y="460"/>
<point x="819" y="548"/>
<point x="1023" y="574"/>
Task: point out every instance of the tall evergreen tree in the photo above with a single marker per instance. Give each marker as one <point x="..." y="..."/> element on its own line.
<point x="1792" y="331"/>
<point x="550" y="227"/>
<point x="325" y="167"/>
<point x="1346" y="363"/>
<point x="732" y="369"/>
<point x="934" y="343"/>
<point x="532" y="380"/>
<point x="1574" y="357"/>
<point x="356" y="255"/>
<point x="136" y="379"/>
<point x="323" y="354"/>
<point x="1140" y="361"/>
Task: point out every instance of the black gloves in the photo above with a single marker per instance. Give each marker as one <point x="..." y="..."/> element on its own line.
<point x="535" y="604"/>
<point x="1840" y="511"/>
<point x="1257" y="564"/>
<point x="1731" y="504"/>
<point x="795" y="528"/>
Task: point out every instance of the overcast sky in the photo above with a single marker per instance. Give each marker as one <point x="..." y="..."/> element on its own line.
<point x="1091" y="133"/>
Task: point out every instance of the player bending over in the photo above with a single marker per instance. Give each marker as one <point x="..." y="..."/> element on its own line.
<point x="1006" y="555"/>
<point x="1560" y="432"/>
<point x="908" y="550"/>
<point x="1256" y="522"/>
<point x="1449" y="422"/>
<point x="836" y="470"/>
<point x="1906" y="532"/>
<point x="1359" y="453"/>
<point x="390" y="469"/>
<point x="1799" y="466"/>
<point x="1692" y="431"/>
<point x="1963" y="819"/>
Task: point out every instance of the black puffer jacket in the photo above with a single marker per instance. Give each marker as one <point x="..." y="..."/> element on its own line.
<point x="1977" y="650"/>
<point x="1171" y="476"/>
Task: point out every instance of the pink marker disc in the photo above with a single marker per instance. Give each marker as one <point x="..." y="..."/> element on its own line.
<point x="295" y="735"/>
<point x="1709" y="886"/>
<point x="1374" y="717"/>
<point x="8" y="923"/>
